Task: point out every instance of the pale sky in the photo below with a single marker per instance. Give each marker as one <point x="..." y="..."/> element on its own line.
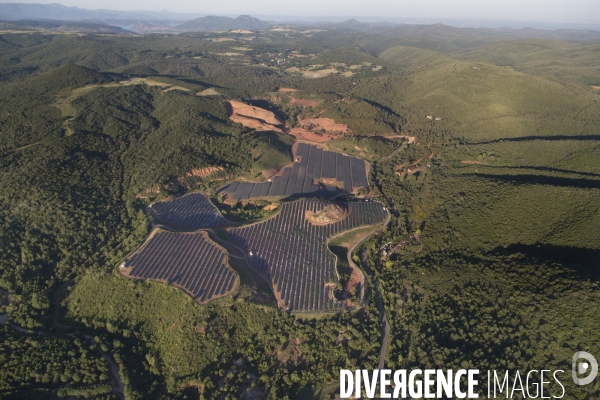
<point x="516" y="10"/>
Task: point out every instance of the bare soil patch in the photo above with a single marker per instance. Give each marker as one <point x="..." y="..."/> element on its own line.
<point x="202" y="172"/>
<point x="254" y="117"/>
<point x="269" y="173"/>
<point x="303" y="134"/>
<point x="596" y="87"/>
<point x="331" y="184"/>
<point x="146" y="81"/>
<point x="271" y="207"/>
<point x="351" y="287"/>
<point x="329" y="215"/>
<point x="304" y="102"/>
<point x="326" y="124"/>
<point x="286" y="90"/>
<point x="315" y="130"/>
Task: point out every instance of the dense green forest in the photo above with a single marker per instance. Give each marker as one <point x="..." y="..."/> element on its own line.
<point x="495" y="231"/>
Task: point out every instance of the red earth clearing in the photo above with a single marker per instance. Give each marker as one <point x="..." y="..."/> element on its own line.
<point x="326" y="124"/>
<point x="303" y="134"/>
<point x="254" y="117"/>
<point x="315" y="130"/>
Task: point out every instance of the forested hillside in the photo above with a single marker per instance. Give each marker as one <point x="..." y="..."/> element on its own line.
<point x="487" y="159"/>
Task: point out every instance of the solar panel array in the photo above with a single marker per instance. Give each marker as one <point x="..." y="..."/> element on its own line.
<point x="188" y="260"/>
<point x="293" y="253"/>
<point x="312" y="163"/>
<point x="191" y="211"/>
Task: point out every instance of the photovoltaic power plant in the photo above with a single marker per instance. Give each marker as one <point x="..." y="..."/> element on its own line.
<point x="293" y="252"/>
<point x="189" y="261"/>
<point x="310" y="163"/>
<point x="193" y="211"/>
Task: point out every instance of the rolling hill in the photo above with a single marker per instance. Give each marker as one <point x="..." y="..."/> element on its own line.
<point x="553" y="59"/>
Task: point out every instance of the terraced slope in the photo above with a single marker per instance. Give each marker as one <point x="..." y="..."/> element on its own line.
<point x="293" y="252"/>
<point x="193" y="211"/>
<point x="189" y="261"/>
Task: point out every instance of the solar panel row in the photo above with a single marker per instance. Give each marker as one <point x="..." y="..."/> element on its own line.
<point x="188" y="260"/>
<point x="311" y="163"/>
<point x="293" y="252"/>
<point x="192" y="211"/>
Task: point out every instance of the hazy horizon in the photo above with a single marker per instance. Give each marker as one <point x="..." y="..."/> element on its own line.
<point x="549" y="11"/>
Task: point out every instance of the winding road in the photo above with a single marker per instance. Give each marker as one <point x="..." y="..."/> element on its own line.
<point x="385" y="328"/>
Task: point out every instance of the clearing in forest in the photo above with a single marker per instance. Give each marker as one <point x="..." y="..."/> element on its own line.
<point x="66" y="108"/>
<point x="309" y="136"/>
<point x="317" y="71"/>
<point x="317" y="130"/>
<point x="320" y="73"/>
<point x="322" y="124"/>
<point x="254" y="117"/>
<point x="204" y="172"/>
<point x="208" y="92"/>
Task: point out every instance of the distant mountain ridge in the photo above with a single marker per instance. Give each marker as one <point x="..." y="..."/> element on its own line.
<point x="63" y="26"/>
<point x="18" y="11"/>
<point x="224" y="23"/>
<point x="45" y="17"/>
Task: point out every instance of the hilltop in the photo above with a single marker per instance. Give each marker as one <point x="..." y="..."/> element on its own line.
<point x="212" y="23"/>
